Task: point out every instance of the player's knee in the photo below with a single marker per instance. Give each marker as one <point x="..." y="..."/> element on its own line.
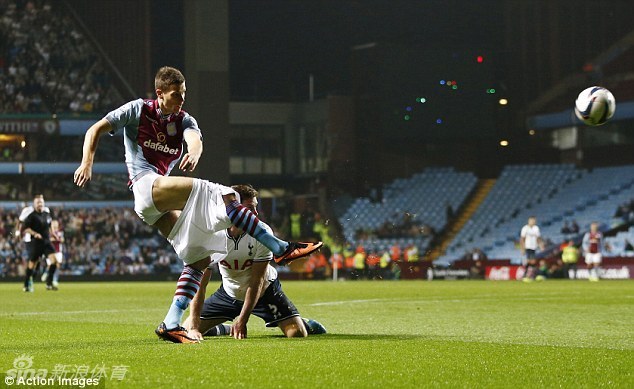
<point x="295" y="330"/>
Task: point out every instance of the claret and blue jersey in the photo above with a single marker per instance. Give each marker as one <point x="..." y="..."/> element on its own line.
<point x="153" y="141"/>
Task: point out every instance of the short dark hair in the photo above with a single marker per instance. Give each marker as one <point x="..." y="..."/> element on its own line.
<point x="38" y="195"/>
<point x="245" y="191"/>
<point x="167" y="76"/>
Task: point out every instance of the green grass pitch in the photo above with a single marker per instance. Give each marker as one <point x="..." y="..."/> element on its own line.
<point x="381" y="334"/>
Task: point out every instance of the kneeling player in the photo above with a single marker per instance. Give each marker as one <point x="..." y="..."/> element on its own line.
<point x="249" y="285"/>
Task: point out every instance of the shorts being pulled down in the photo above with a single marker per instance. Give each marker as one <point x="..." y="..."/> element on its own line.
<point x="273" y="307"/>
<point x="199" y="230"/>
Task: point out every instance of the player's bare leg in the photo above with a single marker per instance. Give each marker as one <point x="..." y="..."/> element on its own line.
<point x="293" y="327"/>
<point x="28" y="282"/>
<point x="298" y="327"/>
<point x="52" y="259"/>
<point x="208" y="327"/>
<point x="172" y="193"/>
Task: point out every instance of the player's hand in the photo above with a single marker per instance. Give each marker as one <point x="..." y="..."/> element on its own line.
<point x="83" y="174"/>
<point x="239" y="329"/>
<point x="37" y="236"/>
<point x="194" y="334"/>
<point x="189" y="162"/>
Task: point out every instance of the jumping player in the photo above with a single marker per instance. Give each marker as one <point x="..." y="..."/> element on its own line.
<point x="249" y="285"/>
<point x="592" y="243"/>
<point x="191" y="213"/>
<point x="35" y="223"/>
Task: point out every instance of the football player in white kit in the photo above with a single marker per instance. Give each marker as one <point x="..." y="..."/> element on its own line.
<point x="191" y="213"/>
<point x="530" y="240"/>
<point x="249" y="286"/>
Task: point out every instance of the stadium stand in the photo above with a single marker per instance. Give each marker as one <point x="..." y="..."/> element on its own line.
<point x="620" y="245"/>
<point x="420" y="201"/>
<point x="47" y="65"/>
<point x="60" y="187"/>
<point x="552" y="193"/>
<point x="105" y="241"/>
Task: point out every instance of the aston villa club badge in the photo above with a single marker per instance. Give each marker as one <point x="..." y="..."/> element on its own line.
<point x="171" y="129"/>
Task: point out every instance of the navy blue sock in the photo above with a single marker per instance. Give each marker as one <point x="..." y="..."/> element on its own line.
<point x="243" y="218"/>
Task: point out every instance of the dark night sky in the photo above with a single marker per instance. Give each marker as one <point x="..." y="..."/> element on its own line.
<point x="274" y="45"/>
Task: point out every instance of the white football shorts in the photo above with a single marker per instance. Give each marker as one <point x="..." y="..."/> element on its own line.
<point x="58" y="256"/>
<point x="593" y="258"/>
<point x="143" y="203"/>
<point x="200" y="229"/>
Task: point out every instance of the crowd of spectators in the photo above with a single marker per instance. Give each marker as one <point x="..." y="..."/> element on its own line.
<point x="103" y="187"/>
<point x="105" y="241"/>
<point x="625" y="212"/>
<point x="46" y="64"/>
<point x="405" y="226"/>
<point x="114" y="241"/>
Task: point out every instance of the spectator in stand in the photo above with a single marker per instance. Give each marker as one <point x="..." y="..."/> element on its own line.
<point x="296" y="225"/>
<point x="574" y="227"/>
<point x="385" y="264"/>
<point x="570" y="257"/>
<point x="395" y="253"/>
<point x="542" y="270"/>
<point x="359" y="262"/>
<point x="411" y="253"/>
<point x="372" y="264"/>
<point x="477" y="270"/>
<point x="319" y="265"/>
<point x="566" y="228"/>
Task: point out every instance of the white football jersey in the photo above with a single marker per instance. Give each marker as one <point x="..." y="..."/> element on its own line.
<point x="235" y="265"/>
<point x="531" y="236"/>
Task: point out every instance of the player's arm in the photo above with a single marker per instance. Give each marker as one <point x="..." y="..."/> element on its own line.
<point x="254" y="291"/>
<point x="28" y="230"/>
<point x="33" y="233"/>
<point x="83" y="173"/>
<point x="19" y="229"/>
<point x="541" y="243"/>
<point x="523" y="243"/>
<point x="194" y="151"/>
<point x="196" y="307"/>
<point x="585" y="244"/>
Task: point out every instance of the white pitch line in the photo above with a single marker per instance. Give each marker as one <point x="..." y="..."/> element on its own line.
<point x="71" y="312"/>
<point x="423" y="300"/>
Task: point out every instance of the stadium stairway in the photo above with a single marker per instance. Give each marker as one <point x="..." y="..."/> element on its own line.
<point x="472" y="203"/>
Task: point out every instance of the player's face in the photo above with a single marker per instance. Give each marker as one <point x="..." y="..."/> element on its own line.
<point x="251" y="204"/>
<point x="54" y="225"/>
<point x="532" y="221"/>
<point x="593" y="227"/>
<point x="38" y="204"/>
<point x="172" y="99"/>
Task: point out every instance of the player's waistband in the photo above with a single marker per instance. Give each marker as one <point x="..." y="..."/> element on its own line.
<point x="138" y="177"/>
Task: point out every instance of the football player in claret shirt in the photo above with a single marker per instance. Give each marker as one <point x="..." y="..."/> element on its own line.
<point x="54" y="261"/>
<point x="35" y="224"/>
<point x="249" y="286"/>
<point x="192" y="213"/>
<point x="592" y="244"/>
